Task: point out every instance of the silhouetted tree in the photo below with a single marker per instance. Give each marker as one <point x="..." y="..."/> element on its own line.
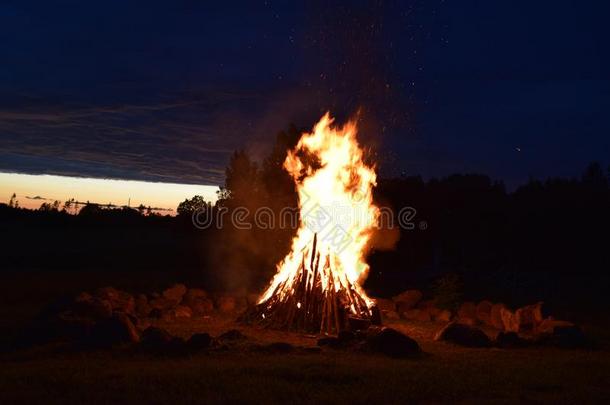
<point x="594" y="176"/>
<point x="242" y="183"/>
<point x="187" y="207"/>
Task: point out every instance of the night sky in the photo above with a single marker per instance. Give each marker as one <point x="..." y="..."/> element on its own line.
<point x="165" y="91"/>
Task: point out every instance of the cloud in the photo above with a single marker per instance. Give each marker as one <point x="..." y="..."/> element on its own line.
<point x="176" y="141"/>
<point x="36" y="198"/>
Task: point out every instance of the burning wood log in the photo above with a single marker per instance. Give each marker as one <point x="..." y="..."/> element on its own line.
<point x="316" y="287"/>
<point x="306" y="304"/>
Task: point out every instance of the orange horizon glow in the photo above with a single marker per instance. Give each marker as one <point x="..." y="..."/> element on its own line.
<point x="103" y="191"/>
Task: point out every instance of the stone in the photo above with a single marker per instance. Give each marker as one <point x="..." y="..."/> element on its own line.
<point x="463" y="335"/>
<point x="194" y="294"/>
<point x="175" y="293"/>
<point x="467" y="321"/>
<point x="182" y="311"/>
<point x="483" y="312"/>
<point x="496" y="316"/>
<point x="168" y="315"/>
<point x="116" y="330"/>
<point x="120" y="301"/>
<point x="392" y="343"/>
<point x="548" y="325"/>
<point x="226" y="304"/>
<point x="162" y="303"/>
<point x="467" y="313"/>
<point x="416" y="315"/>
<point x="563" y="334"/>
<point x="509" y="320"/>
<point x="568" y="337"/>
<point x="443" y="316"/>
<point x="390" y="315"/>
<point x="434" y="311"/>
<point x="142" y="324"/>
<point x="155" y="338"/>
<point x="407" y="300"/>
<point x="88" y="306"/>
<point x="202" y="306"/>
<point x="385" y="304"/>
<point x="143" y="308"/>
<point x="426" y="304"/>
<point x="529" y="316"/>
<point x="108" y="293"/>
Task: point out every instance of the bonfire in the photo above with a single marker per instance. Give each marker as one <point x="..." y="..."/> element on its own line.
<point x="317" y="287"/>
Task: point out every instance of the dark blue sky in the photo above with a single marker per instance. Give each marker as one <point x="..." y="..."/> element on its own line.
<point x="165" y="91"/>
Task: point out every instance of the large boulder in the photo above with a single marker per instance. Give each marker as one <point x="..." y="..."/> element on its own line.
<point x="155" y="338"/>
<point x="159" y="341"/>
<point x="529" y="316"/>
<point x="561" y="334"/>
<point x="467" y="313"/>
<point x="182" y="311"/>
<point x="509" y="320"/>
<point x="226" y="304"/>
<point x="163" y="303"/>
<point x="194" y="294"/>
<point x="443" y="316"/>
<point x="201" y="306"/>
<point x="143" y="308"/>
<point x="113" y="331"/>
<point x="392" y="343"/>
<point x="483" y="312"/>
<point x="407" y="300"/>
<point x="463" y="335"/>
<point x="175" y="292"/>
<point x="120" y="301"/>
<point x="199" y="341"/>
<point x="417" y="314"/>
<point x="197" y="300"/>
<point x="389" y="315"/>
<point x="496" y="316"/>
<point x="167" y="315"/>
<point x="385" y="304"/>
<point x="88" y="306"/>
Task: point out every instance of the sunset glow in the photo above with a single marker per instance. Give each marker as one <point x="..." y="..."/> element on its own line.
<point x="33" y="190"/>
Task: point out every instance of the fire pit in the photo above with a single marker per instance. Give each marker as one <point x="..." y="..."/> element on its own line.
<point x="317" y="285"/>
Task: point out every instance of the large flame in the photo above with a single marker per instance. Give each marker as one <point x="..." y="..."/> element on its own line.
<point x="334" y="187"/>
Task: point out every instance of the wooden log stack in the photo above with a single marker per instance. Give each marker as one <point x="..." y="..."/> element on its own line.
<point x="315" y="300"/>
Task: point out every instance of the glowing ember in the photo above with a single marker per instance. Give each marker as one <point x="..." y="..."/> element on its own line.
<point x="317" y="285"/>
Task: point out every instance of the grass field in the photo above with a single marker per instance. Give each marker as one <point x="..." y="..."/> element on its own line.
<point x="447" y="374"/>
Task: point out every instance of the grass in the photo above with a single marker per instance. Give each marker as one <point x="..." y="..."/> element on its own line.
<point x="449" y="374"/>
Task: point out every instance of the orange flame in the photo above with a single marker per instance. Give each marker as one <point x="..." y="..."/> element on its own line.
<point x="334" y="187"/>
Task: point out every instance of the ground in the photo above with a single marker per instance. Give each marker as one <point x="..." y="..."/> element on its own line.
<point x="446" y="374"/>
